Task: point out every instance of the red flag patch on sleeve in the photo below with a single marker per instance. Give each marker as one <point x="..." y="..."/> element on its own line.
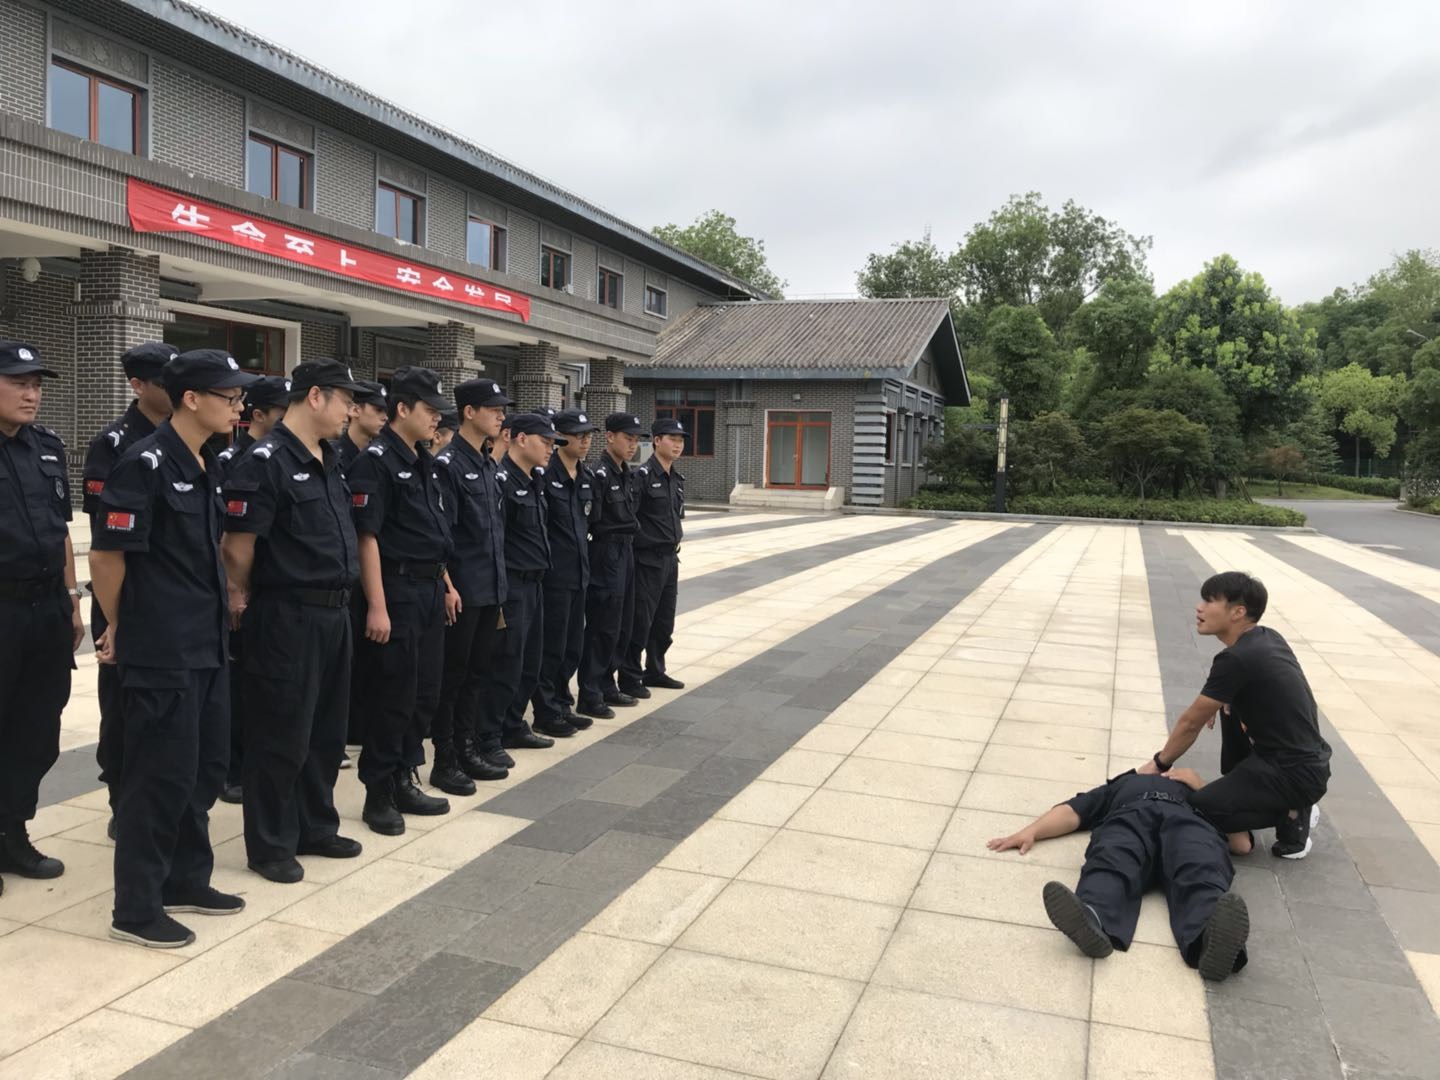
<point x="120" y="521"/>
<point x="237" y="507"/>
<point x="359" y="502"/>
<point x="94" y="487"/>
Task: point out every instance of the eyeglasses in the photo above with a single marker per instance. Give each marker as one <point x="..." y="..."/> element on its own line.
<point x="233" y="400"/>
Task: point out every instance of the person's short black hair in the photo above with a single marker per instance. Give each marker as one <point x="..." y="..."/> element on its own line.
<point x="394" y="400"/>
<point x="1237" y="587"/>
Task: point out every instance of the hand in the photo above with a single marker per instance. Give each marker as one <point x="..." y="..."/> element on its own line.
<point x="77" y="626"/>
<point x="377" y="626"/>
<point x="105" y="646"/>
<point x="1189" y="777"/>
<point x="238" y="602"/>
<point x="1024" y="840"/>
<point x="453" y="606"/>
<point x="1148" y="769"/>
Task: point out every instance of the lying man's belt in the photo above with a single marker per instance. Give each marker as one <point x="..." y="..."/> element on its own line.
<point x="425" y="571"/>
<point x="327" y="598"/>
<point x="1164" y="796"/>
<point x="30" y="588"/>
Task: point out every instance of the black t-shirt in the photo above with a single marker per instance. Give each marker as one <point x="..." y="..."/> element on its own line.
<point x="1097" y="804"/>
<point x="1261" y="681"/>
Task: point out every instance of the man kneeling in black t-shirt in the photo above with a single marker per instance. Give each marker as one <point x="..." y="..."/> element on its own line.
<point x="1275" y="765"/>
<point x="1143" y="833"/>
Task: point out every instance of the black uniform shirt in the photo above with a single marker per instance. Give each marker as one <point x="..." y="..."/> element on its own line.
<point x="105" y="450"/>
<point x="299" y="510"/>
<point x="163" y="509"/>
<point x="243" y="441"/>
<point x="570" y="505"/>
<point x="1127" y="789"/>
<point x="659" y="505"/>
<point x="34" y="504"/>
<point x="1261" y="681"/>
<point x="348" y="450"/>
<point x="616" y="495"/>
<point x="477" y="569"/>
<point x="527" y="547"/>
<point x="397" y="499"/>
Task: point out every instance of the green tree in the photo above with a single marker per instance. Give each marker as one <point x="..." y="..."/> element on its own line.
<point x="1145" y="444"/>
<point x="1047" y="449"/>
<point x="1117" y="331"/>
<point x="1020" y="354"/>
<point x="714" y="238"/>
<point x="1282" y="462"/>
<point x="1364" y="405"/>
<point x="1197" y="394"/>
<point x="913" y="268"/>
<point x="1312" y="433"/>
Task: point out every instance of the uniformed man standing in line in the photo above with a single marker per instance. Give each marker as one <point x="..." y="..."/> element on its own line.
<point x="445" y="431"/>
<point x="40" y="625"/>
<point x="610" y="601"/>
<point x="477" y="568"/>
<point x="291" y="558"/>
<point x="158" y="575"/>
<point x="660" y="508"/>
<point x="142" y="366"/>
<point x="571" y="500"/>
<point x="500" y="444"/>
<point x="403" y="523"/>
<point x="506" y="687"/>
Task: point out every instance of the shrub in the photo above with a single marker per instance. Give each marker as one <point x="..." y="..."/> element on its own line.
<point x="1387" y="486"/>
<point x="1209" y="511"/>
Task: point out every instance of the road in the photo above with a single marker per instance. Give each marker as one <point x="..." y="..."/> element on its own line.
<point x="1375" y="524"/>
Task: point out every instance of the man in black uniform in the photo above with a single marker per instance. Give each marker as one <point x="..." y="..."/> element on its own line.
<point x="610" y="600"/>
<point x="468" y="477"/>
<point x="40" y="625"/>
<point x="158" y="575"/>
<point x="142" y="366"/>
<point x="572" y="504"/>
<point x="659" y="508"/>
<point x="1144" y="831"/>
<point x="291" y="558"/>
<point x="507" y="685"/>
<point x="445" y="431"/>
<point x="403" y="523"/>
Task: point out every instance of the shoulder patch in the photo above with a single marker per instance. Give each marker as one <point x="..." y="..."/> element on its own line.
<point x="444" y="458"/>
<point x="376" y="449"/>
<point x="51" y="432"/>
<point x="262" y="451"/>
<point x="114" y="437"/>
<point x="152" y="457"/>
<point x="226" y="454"/>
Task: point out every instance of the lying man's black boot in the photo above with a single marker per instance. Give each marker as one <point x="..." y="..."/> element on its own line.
<point x="1073" y="918"/>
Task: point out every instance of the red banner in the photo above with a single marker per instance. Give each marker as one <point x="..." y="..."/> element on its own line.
<point x="154" y="209"/>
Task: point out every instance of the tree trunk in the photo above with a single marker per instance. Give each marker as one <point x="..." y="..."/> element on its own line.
<point x="1357" y="455"/>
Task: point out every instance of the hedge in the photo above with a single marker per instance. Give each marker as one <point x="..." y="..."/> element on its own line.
<point x="1209" y="511"/>
<point x="1386" y="486"/>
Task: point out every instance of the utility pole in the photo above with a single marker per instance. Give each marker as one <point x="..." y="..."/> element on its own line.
<point x="1002" y="433"/>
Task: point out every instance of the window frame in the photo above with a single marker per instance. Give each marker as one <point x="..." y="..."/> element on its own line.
<point x="498" y="243"/>
<point x="892" y="429"/>
<point x="692" y="411"/>
<point x="800" y="425"/>
<point x="664" y="294"/>
<point x="551" y="257"/>
<point x="277" y="147"/>
<point x="602" y="273"/>
<point x="95" y="78"/>
<point x="419" y="213"/>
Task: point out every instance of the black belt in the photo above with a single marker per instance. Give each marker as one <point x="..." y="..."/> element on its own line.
<point x="30" y="588"/>
<point x="426" y="571"/>
<point x="326" y="598"/>
<point x="1158" y="796"/>
<point x="619" y="538"/>
<point x="528" y="575"/>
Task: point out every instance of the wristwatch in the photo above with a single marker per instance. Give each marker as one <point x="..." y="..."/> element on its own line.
<point x="75" y="592"/>
<point x="1159" y="764"/>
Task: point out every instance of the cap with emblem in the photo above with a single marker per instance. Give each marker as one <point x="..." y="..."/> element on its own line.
<point x="20" y="359"/>
<point x="529" y="423"/>
<point x="665" y="425"/>
<point x="205" y="369"/>
<point x="449" y="420"/>
<point x="370" y="393"/>
<point x="625" y="423"/>
<point x="545" y="410"/>
<point x="574" y="422"/>
<point x="419" y="384"/>
<point x="482" y="394"/>
<point x="325" y="373"/>
<point x="148" y="360"/>
<point x="267" y="392"/>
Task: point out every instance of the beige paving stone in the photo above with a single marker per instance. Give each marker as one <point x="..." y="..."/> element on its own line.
<point x="9" y="927"/>
<point x="62" y="817"/>
<point x="720" y="848"/>
<point x="1408" y="772"/>
<point x="487" y="1048"/>
<point x="96" y="1047"/>
<point x="941" y="725"/>
<point x="831" y="738"/>
<point x="576" y="984"/>
<point x="1045" y="712"/>
<point x="658" y="907"/>
<point x="980" y="960"/>
<point x="871" y="817"/>
<point x="98" y="799"/>
<point x="1150" y="988"/>
<point x="1083" y="740"/>
<point x="42" y="992"/>
<point x="1149" y="723"/>
<point x="1097" y="679"/>
<point x="969" y="830"/>
<point x="981" y="669"/>
<point x="903" y="1035"/>
<point x="1063" y="695"/>
<point x="1427" y="970"/>
<point x="1148" y="684"/>
<point x="1067" y="765"/>
<point x="692" y="1006"/>
<point x="600" y="1061"/>
<point x="879" y="696"/>
<point x="986" y="888"/>
<point x="899" y="780"/>
<point x="89" y="871"/>
<point x="831" y="864"/>
<point x="1016" y="794"/>
<point x="958" y="704"/>
<point x="1416" y="804"/>
<point x="810" y="767"/>
<point x="966" y="686"/>
<point x="856" y="714"/>
<point x="355" y="900"/>
<point x="455" y="843"/>
<point x="230" y="858"/>
<point x="1429" y="835"/>
<point x="920" y="750"/>
<point x="1118" y="1053"/>
<point x="765" y="803"/>
<point x="829" y="935"/>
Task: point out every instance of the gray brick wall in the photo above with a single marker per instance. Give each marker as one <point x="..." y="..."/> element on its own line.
<point x="320" y="339"/>
<point x="583" y="266"/>
<point x="197" y="125"/>
<point x="23" y="60"/>
<point x="38" y="317"/>
<point x="681" y="299"/>
<point x="632" y="296"/>
<point x="524" y="248"/>
<point x="446" y="216"/>
<point x="344" y="180"/>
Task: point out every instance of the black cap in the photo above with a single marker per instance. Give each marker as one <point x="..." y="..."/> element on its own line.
<point x="20" y="359"/>
<point x="574" y="422"/>
<point x="370" y="393"/>
<point x="148" y="360"/>
<point x="505" y="424"/>
<point x="481" y="393"/>
<point x="665" y="425"/>
<point x="326" y="373"/>
<point x="267" y="392"/>
<point x="449" y="419"/>
<point x="627" y="423"/>
<point x="531" y="423"/>
<point x="419" y="384"/>
<point x="545" y="410"/>
<point x="205" y="369"/>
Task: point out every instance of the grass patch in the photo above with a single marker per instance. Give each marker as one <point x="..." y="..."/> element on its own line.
<point x="1265" y="489"/>
<point x="1212" y="511"/>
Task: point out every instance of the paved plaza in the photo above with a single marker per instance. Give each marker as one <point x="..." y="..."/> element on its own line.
<point x="781" y="871"/>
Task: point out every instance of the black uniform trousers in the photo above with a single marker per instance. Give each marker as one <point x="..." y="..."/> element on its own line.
<point x="609" y="612"/>
<point x="109" y="751"/>
<point x="470" y="646"/>
<point x="355" y="729"/>
<point x="239" y="714"/>
<point x="177" y="742"/>
<point x="564" y="621"/>
<point x="35" y="663"/>
<point x="297" y="676"/>
<point x="657" y="577"/>
<point x="402" y="679"/>
<point x="506" y="686"/>
<point x="1156" y="843"/>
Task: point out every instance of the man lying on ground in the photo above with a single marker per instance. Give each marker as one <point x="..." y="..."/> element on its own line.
<point x="1144" y="833"/>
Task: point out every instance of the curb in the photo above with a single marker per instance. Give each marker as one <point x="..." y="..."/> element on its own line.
<point x="1056" y="519"/>
<point x="1417" y="513"/>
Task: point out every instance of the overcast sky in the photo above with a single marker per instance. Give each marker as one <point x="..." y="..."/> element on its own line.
<point x="1300" y="137"/>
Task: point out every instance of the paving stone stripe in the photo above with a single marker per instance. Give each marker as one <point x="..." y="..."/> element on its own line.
<point x="779" y="521"/>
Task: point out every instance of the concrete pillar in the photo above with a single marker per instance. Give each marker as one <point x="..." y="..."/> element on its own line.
<point x="450" y="353"/>
<point x="537" y="379"/>
<point x="606" y="391"/>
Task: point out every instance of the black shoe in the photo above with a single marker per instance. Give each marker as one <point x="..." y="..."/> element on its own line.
<point x="556" y="728"/>
<point x="18" y="855"/>
<point x="1224" y="937"/>
<point x="526" y="740"/>
<point x="578" y="722"/>
<point x="331" y="847"/>
<point x="345" y="762"/>
<point x="664" y="682"/>
<point x="500" y="759"/>
<point x="280" y="871"/>
<point x="477" y="766"/>
<point x="409" y="799"/>
<point x="161" y="933"/>
<point x="1292" y="839"/>
<point x="598" y="709"/>
<point x="233" y="794"/>
<point x="110" y="827"/>
<point x="448" y="776"/>
<point x="380" y="813"/>
<point x="638" y="692"/>
<point x="621" y="699"/>
<point x="1073" y="918"/>
<point x="206" y="901"/>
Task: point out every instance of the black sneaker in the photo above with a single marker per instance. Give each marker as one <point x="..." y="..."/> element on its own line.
<point x="1224" y="937"/>
<point x="1073" y="918"/>
<point x="1292" y="839"/>
<point x="598" y="709"/>
<point x="161" y="933"/>
<point x="331" y="847"/>
<point x="280" y="871"/>
<point x="499" y="758"/>
<point x="526" y="740"/>
<point x="409" y="799"/>
<point x="664" y="682"/>
<point x="447" y="775"/>
<point x="556" y="728"/>
<point x="380" y="813"/>
<point x="233" y="794"/>
<point x="638" y="691"/>
<point x="621" y="700"/>
<point x="18" y="855"/>
<point x="206" y="901"/>
<point x="578" y="722"/>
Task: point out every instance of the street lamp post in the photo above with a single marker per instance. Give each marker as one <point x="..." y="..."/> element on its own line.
<point x="1002" y="434"/>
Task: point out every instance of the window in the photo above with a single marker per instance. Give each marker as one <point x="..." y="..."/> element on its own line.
<point x="273" y="171"/>
<point x="608" y="289"/>
<point x="485" y="244"/>
<point x="94" y="107"/>
<point x="397" y="213"/>
<point x="656" y="301"/>
<point x="797" y="449"/>
<point x="889" y="436"/>
<point x="695" y="409"/>
<point x="554" y="268"/>
<point x="259" y="350"/>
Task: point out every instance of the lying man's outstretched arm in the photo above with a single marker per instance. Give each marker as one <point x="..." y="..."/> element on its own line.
<point x="1059" y="820"/>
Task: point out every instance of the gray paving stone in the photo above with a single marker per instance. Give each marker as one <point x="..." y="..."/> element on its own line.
<point x="792" y="719"/>
<point x="1349" y="942"/>
<point x="570" y="827"/>
<point x="634" y="785"/>
<point x="492" y="880"/>
<point x="648" y="731"/>
<point x="675" y="814"/>
<point x="597" y="762"/>
<point x="1413" y="917"/>
<point x="539" y="795"/>
<point x="308" y="1066"/>
<point x="74" y="773"/>
<point x="1263" y="897"/>
<point x="1256" y="1041"/>
<point x="390" y="948"/>
<point x="529" y="928"/>
<point x="1277" y="974"/>
<point x="613" y="862"/>
<point x="1324" y="877"/>
<point x="1391" y="1030"/>
<point x="761" y="745"/>
<point x="1401" y="862"/>
<point x="725" y="774"/>
<point x="682" y="752"/>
